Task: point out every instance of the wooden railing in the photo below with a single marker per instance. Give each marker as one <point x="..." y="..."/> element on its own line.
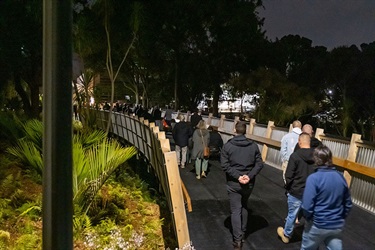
<point x="353" y="156"/>
<point x="153" y="145"/>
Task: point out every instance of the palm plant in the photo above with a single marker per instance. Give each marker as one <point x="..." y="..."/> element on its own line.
<point x="92" y="168"/>
<point x="95" y="158"/>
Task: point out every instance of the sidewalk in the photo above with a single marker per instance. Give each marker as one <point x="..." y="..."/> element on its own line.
<point x="209" y="222"/>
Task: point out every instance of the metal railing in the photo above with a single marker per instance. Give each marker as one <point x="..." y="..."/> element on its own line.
<point x="350" y="154"/>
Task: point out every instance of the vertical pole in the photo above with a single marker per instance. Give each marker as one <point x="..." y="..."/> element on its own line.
<point x="268" y="135"/>
<point x="57" y="119"/>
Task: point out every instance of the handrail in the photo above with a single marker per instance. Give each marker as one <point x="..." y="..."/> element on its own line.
<point x="354" y="167"/>
<point x="154" y="146"/>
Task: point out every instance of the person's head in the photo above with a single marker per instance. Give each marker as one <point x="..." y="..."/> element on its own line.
<point x="297" y="124"/>
<point x="304" y="140"/>
<point x="212" y="128"/>
<point x="181" y="117"/>
<point x="323" y="156"/>
<point x="307" y="128"/>
<point x="201" y="124"/>
<point x="240" y="128"/>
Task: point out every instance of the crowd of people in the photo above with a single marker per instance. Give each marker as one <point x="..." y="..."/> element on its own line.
<point x="314" y="189"/>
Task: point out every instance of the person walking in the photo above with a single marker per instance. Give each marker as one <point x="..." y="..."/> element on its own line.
<point x="288" y="142"/>
<point x="181" y="133"/>
<point x="201" y="138"/>
<point x="314" y="142"/>
<point x="326" y="203"/>
<point x="195" y="118"/>
<point x="300" y="166"/>
<point x="241" y="161"/>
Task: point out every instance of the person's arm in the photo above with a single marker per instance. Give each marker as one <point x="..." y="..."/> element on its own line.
<point x="283" y="149"/>
<point x="225" y="164"/>
<point x="290" y="172"/>
<point x="347" y="201"/>
<point x="258" y="163"/>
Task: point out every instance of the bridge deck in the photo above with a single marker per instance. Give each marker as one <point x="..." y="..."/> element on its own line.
<point x="209" y="222"/>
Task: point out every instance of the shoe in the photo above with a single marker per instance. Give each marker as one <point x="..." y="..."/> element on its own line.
<point x="280" y="233"/>
<point x="182" y="166"/>
<point x="198" y="177"/>
<point x="237" y="245"/>
<point x="204" y="175"/>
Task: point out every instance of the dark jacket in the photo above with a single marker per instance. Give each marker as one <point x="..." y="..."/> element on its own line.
<point x="181" y="133"/>
<point x="194" y="119"/>
<point x="314" y="143"/>
<point x="156" y="114"/>
<point x="241" y="156"/>
<point x="300" y="166"/>
<point x="215" y="140"/>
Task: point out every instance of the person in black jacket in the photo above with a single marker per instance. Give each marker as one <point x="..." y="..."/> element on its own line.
<point x="300" y="166"/>
<point x="314" y="142"/>
<point x="216" y="142"/>
<point x="195" y="118"/>
<point x="241" y="162"/>
<point x="181" y="133"/>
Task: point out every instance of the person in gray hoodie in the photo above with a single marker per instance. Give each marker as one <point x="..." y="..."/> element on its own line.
<point x="241" y="161"/>
<point x="300" y="166"/>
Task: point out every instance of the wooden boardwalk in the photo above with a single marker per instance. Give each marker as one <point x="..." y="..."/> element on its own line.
<point x="209" y="222"/>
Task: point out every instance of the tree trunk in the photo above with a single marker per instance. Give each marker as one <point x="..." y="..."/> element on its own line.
<point x="215" y="100"/>
<point x="176" y="87"/>
<point x="24" y="97"/>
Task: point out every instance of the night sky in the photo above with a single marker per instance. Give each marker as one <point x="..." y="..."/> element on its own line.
<point x="330" y="23"/>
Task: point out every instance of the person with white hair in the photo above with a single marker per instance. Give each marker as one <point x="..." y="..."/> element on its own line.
<point x="288" y="143"/>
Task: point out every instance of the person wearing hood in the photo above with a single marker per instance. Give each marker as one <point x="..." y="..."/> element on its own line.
<point x="181" y="133"/>
<point x="201" y="139"/>
<point x="288" y="143"/>
<point x="241" y="161"/>
<point x="300" y="166"/>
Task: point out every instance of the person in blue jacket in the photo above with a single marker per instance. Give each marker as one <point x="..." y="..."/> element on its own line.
<point x="326" y="203"/>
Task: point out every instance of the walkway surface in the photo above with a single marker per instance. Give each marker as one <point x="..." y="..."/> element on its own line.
<point x="209" y="222"/>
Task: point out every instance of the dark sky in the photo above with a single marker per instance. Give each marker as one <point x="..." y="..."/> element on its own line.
<point x="330" y="23"/>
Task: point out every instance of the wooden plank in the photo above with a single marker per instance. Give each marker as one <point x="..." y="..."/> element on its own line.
<point x="186" y="196"/>
<point x="165" y="145"/>
<point x="178" y="212"/>
<point x="355" y="167"/>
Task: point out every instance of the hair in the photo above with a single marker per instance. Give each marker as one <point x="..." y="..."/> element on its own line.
<point x="323" y="156"/>
<point x="240" y="128"/>
<point x="201" y="124"/>
<point x="181" y="117"/>
<point x="297" y="124"/>
<point x="307" y="128"/>
<point x="304" y="138"/>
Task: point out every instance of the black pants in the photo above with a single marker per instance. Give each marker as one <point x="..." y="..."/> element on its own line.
<point x="238" y="196"/>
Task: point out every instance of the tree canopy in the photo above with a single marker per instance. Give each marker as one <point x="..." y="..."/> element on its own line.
<point x="181" y="52"/>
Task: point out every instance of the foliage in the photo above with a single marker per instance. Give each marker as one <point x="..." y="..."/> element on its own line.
<point x="22" y="51"/>
<point x="10" y="127"/>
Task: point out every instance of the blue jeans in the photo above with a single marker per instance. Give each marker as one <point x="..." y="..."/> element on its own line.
<point x="312" y="237"/>
<point x="238" y="197"/>
<point x="294" y="204"/>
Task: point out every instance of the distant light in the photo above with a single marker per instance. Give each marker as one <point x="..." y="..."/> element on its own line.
<point x="92" y="100"/>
